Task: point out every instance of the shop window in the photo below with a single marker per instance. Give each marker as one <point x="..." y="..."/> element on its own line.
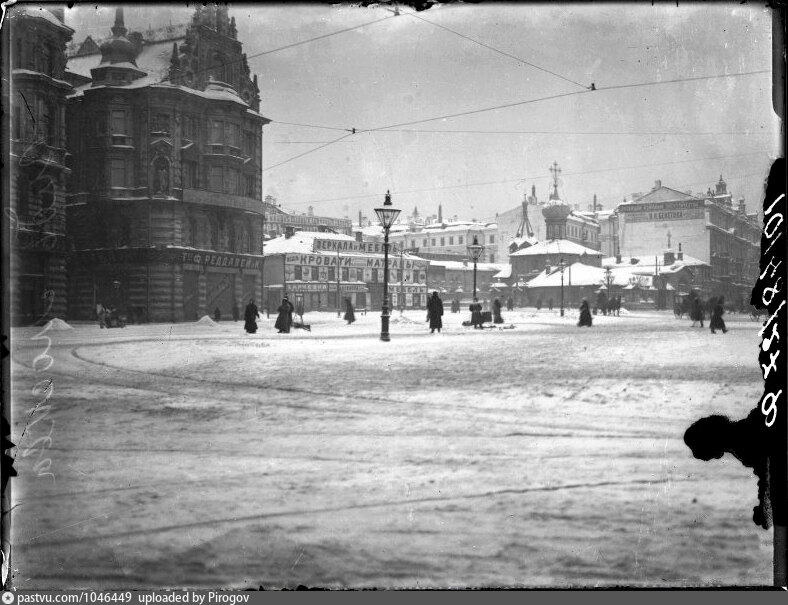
<point x="345" y="274"/>
<point x="332" y="274"/>
<point x="297" y="273"/>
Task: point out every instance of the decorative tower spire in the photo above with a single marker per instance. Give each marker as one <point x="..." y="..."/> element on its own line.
<point x="175" y="65"/>
<point x="119" y="29"/>
<point x="555" y="170"/>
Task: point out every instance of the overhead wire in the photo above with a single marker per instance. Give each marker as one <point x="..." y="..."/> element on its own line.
<point x="492" y="48"/>
<point x="540" y="177"/>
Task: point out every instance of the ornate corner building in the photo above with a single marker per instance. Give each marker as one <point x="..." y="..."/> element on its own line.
<point x="38" y="170"/>
<point x="165" y="215"/>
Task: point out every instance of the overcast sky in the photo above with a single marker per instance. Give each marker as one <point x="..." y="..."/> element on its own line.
<point x="403" y="70"/>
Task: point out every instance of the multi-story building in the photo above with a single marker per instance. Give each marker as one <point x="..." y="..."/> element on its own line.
<point x="447" y="240"/>
<point x="39" y="163"/>
<point x="315" y="266"/>
<point x="709" y="228"/>
<point x="167" y="209"/>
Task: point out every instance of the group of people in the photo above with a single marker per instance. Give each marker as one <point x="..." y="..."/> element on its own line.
<point x="698" y="314"/>
<point x="284" y="319"/>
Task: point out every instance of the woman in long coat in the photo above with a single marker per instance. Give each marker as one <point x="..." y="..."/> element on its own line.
<point x="717" y="323"/>
<point x="250" y="317"/>
<point x="285" y="318"/>
<point x="350" y="315"/>
<point x="435" y="313"/>
<point x="585" y="315"/>
<point x="497" y="312"/>
<point x="476" y="313"/>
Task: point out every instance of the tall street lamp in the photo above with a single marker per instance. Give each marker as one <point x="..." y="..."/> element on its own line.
<point x="386" y="215"/>
<point x="561" y="262"/>
<point x="475" y="251"/>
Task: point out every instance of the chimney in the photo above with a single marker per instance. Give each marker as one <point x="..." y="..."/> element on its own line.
<point x="358" y="235"/>
<point x="680" y="255"/>
<point x="668" y="258"/>
<point x="657" y="184"/>
<point x="289" y="231"/>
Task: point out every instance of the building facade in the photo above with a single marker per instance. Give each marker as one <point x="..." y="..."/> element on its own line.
<point x="39" y="164"/>
<point x="448" y="239"/>
<point x="314" y="266"/>
<point x="709" y="228"/>
<point x="166" y="216"/>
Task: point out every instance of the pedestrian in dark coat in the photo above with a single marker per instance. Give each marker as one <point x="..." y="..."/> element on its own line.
<point x="250" y="317"/>
<point x="497" y="312"/>
<point x="585" y="315"/>
<point x="435" y="313"/>
<point x="509" y="304"/>
<point x="285" y="318"/>
<point x="476" y="313"/>
<point x="697" y="312"/>
<point x="217" y="314"/>
<point x="350" y="315"/>
<point x="716" y="322"/>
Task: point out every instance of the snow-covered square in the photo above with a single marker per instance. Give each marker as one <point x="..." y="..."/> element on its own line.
<point x="534" y="453"/>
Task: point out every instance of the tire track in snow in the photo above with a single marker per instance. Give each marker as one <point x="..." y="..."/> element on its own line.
<point x="350" y="507"/>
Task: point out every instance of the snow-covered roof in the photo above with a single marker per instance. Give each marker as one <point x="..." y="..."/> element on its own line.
<point x="301" y="242"/>
<point x="576" y="274"/>
<point x="455" y="265"/>
<point x="648" y="263"/>
<point x="36" y="12"/>
<point x="521" y="241"/>
<point x="504" y="273"/>
<point x="556" y="246"/>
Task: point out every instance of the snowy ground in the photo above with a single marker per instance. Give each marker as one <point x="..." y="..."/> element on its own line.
<point x="195" y="455"/>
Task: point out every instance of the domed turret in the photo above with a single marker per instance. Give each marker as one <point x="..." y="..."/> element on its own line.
<point x="118" y="56"/>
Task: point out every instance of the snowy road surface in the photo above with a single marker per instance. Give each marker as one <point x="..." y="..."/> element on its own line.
<point x="195" y="455"/>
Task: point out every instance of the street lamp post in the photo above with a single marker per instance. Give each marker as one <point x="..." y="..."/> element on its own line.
<point x="475" y="251"/>
<point x="386" y="215"/>
<point x="561" y="262"/>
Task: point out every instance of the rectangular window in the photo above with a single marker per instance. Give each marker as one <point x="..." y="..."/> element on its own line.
<point x="460" y="240"/>
<point x="297" y="272"/>
<point x="443" y="241"/>
<point x="345" y="274"/>
<point x="118" y="122"/>
<point x="233" y="184"/>
<point x="332" y="274"/>
<point x="451" y="241"/>
<point x="424" y="243"/>
<point x="118" y="177"/>
<point x="413" y="243"/>
<point x="217" y="132"/>
<point x="433" y="241"/>
<point x="216" y="179"/>
<point x="492" y="239"/>
<point x="249" y="186"/>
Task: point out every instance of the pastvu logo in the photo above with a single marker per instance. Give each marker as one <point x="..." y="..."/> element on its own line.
<point x="8" y="598"/>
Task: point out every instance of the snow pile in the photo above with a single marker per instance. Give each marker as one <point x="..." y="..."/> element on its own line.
<point x="58" y="324"/>
<point x="206" y="321"/>
<point x="404" y="319"/>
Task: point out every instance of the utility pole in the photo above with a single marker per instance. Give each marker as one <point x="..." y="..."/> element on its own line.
<point x="338" y="299"/>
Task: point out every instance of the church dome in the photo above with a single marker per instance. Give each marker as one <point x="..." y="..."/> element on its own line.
<point x="118" y="49"/>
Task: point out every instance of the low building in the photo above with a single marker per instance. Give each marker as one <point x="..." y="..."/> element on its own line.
<point x="314" y="266"/>
<point x="454" y="279"/>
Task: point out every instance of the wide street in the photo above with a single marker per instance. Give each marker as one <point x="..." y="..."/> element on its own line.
<point x="195" y="455"/>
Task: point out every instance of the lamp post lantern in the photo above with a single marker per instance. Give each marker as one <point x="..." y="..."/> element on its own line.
<point x="475" y="251"/>
<point x="561" y="262"/>
<point x="386" y="215"/>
